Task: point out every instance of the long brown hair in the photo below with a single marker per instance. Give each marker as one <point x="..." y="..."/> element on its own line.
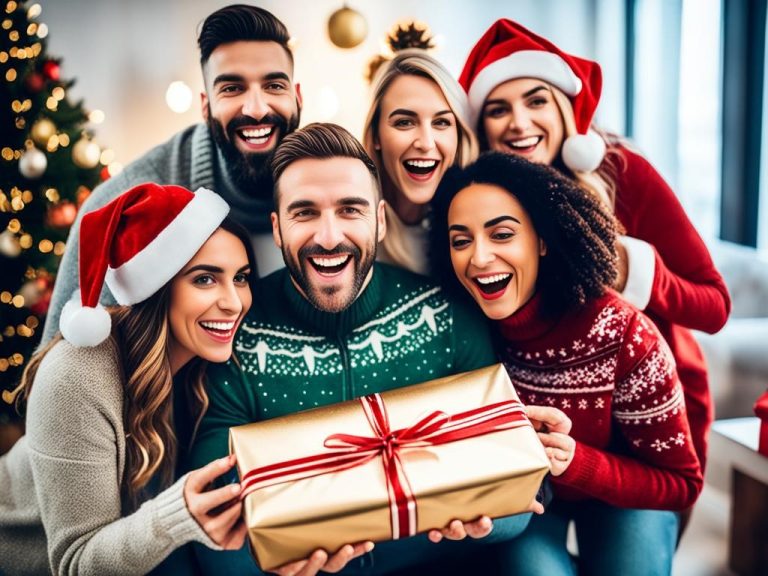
<point x="140" y="337"/>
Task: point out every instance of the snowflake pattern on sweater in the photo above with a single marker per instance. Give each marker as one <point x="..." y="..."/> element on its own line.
<point x="418" y="317"/>
<point x="608" y="368"/>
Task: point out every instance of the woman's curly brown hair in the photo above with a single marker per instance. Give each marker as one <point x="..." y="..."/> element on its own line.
<point x="580" y="233"/>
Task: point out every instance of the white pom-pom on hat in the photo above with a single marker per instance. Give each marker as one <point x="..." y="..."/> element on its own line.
<point x="509" y="51"/>
<point x="83" y="325"/>
<point x="583" y="152"/>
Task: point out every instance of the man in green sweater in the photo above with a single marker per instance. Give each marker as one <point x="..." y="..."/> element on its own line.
<point x="335" y="325"/>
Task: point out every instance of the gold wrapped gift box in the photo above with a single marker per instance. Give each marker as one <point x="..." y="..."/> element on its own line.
<point x="496" y="473"/>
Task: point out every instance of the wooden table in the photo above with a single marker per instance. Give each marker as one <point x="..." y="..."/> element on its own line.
<point x="734" y="442"/>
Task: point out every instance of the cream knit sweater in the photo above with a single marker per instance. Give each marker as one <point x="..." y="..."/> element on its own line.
<point x="63" y="479"/>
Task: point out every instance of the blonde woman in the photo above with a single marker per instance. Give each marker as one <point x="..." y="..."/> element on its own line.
<point x="416" y="129"/>
<point x="529" y="98"/>
<point x="90" y="489"/>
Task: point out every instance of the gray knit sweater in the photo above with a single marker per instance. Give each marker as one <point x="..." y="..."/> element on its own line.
<point x="63" y="479"/>
<point x="190" y="159"/>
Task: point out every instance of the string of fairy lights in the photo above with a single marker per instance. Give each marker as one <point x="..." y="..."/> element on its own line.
<point x="24" y="64"/>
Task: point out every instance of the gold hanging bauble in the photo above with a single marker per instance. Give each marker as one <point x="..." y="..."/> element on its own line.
<point x="86" y="153"/>
<point x="42" y="130"/>
<point x="347" y="28"/>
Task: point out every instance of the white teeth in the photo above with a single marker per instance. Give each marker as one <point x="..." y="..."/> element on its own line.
<point x="257" y="132"/>
<point x="422" y="163"/>
<point x="525" y="142"/>
<point x="221" y="326"/>
<point x="492" y="279"/>
<point x="330" y="262"/>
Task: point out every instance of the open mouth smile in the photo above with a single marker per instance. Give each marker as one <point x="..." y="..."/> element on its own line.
<point x="257" y="137"/>
<point x="527" y="144"/>
<point x="493" y="285"/>
<point x="420" y="169"/>
<point x="330" y="265"/>
<point x="221" y="331"/>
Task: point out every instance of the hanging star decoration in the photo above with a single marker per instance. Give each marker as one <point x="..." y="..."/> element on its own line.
<point x="402" y="37"/>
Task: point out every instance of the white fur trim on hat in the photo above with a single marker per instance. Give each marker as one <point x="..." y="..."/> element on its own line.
<point x="641" y="270"/>
<point x="159" y="261"/>
<point x="523" y="64"/>
<point x="583" y="152"/>
<point x="84" y="326"/>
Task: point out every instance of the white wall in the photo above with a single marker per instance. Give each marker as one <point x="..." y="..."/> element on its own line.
<point x="123" y="54"/>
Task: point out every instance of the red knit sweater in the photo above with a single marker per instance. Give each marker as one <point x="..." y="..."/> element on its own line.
<point x="688" y="292"/>
<point x="608" y="368"/>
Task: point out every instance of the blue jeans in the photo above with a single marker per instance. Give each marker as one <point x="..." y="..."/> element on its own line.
<point x="415" y="555"/>
<point x="610" y="540"/>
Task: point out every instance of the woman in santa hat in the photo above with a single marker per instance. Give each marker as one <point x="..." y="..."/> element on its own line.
<point x="527" y="97"/>
<point x="537" y="253"/>
<point x="415" y="130"/>
<point x="112" y="401"/>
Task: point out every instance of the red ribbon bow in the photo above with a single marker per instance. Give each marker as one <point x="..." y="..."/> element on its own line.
<point x="349" y="450"/>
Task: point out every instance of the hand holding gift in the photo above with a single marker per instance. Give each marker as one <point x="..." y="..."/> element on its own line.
<point x="319" y="560"/>
<point x="553" y="427"/>
<point x="218" y="512"/>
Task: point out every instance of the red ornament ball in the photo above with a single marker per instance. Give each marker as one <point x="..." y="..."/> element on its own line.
<point x="35" y="82"/>
<point x="51" y="70"/>
<point x="62" y="215"/>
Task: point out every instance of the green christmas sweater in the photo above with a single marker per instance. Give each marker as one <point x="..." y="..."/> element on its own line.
<point x="401" y="330"/>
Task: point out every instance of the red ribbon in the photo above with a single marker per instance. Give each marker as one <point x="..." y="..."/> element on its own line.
<point x="349" y="450"/>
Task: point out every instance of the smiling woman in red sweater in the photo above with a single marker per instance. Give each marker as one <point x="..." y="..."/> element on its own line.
<point x="529" y="98"/>
<point x="537" y="252"/>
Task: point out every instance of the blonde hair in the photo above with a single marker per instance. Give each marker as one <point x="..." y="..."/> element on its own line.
<point x="414" y="62"/>
<point x="602" y="181"/>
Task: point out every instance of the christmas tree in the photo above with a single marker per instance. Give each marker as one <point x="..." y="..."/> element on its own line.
<point x="48" y="165"/>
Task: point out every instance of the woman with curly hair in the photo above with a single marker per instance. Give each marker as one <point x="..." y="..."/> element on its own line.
<point x="529" y="98"/>
<point x="537" y="254"/>
<point x="111" y="401"/>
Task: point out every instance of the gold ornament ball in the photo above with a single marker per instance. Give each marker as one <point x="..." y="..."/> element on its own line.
<point x="42" y="130"/>
<point x="347" y="28"/>
<point x="86" y="153"/>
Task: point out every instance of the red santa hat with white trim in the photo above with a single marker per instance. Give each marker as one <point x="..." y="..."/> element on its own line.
<point x="508" y="51"/>
<point x="137" y="243"/>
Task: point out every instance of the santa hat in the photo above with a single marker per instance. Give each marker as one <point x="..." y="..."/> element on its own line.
<point x="137" y="242"/>
<point x="508" y="51"/>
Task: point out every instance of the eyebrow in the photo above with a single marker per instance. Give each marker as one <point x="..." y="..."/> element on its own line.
<point x="492" y="222"/>
<point x="530" y="92"/>
<point x="499" y="219"/>
<point x="213" y="269"/>
<point x="347" y="201"/>
<point x="412" y="114"/>
<point x="223" y="78"/>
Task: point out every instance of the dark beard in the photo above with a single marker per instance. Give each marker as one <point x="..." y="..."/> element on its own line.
<point x="299" y="275"/>
<point x="250" y="171"/>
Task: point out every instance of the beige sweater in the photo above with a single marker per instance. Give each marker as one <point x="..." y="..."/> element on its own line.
<point x="63" y="479"/>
